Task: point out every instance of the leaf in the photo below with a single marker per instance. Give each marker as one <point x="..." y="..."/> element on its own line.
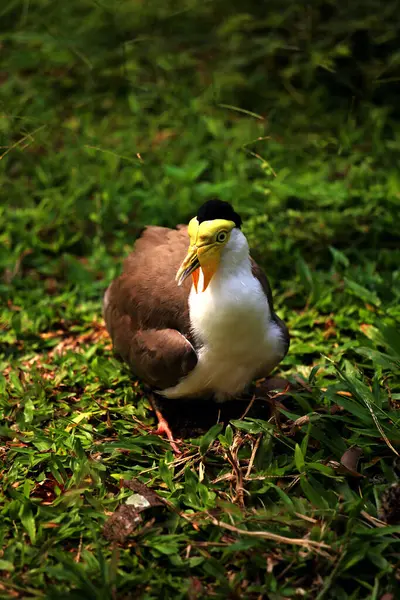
<point x="28" y="521"/>
<point x="339" y="258"/>
<point x="3" y="384"/>
<point x="77" y="574"/>
<point x="166" y="474"/>
<point x="214" y="568"/>
<point x="78" y="419"/>
<point x="324" y="469"/>
<point x="312" y="494"/>
<point x="29" y="409"/>
<point x="363" y="393"/>
<point x="391" y="336"/>
<point x="376" y="391"/>
<point x="299" y="458"/>
<point x="304" y="442"/>
<point x="284" y="497"/>
<point x="381" y="531"/>
<point x="379" y="358"/>
<point x="75" y="271"/>
<point x="313" y="374"/>
<point x="6" y="565"/>
<point x="209" y="437"/>
<point x="195" y="561"/>
<point x="378" y="560"/>
<point x="252" y="426"/>
<point x="305" y="274"/>
<point x="16" y="321"/>
<point x="196" y="169"/>
<point x="361" y="292"/>
<point x="16" y="384"/>
<point x="264" y="453"/>
<point x="354" y="408"/>
<point x="229" y="435"/>
<point x="166" y="547"/>
<point x="6" y="432"/>
<point x="355" y="557"/>
<point x="227" y="439"/>
<point x="186" y="173"/>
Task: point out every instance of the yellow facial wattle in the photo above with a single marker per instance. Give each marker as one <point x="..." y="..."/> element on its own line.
<point x="206" y="241"/>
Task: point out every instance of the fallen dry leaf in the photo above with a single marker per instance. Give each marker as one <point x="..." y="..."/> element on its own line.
<point x="127" y="516"/>
<point x="298" y="423"/>
<point x="46" y="490"/>
<point x="349" y="461"/>
<point x="140" y="488"/>
<point x="121" y="524"/>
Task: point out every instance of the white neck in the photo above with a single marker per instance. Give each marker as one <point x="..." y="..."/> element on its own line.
<point x="234" y="336"/>
<point x="235" y="262"/>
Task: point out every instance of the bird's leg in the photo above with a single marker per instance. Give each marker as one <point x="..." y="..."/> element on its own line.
<point x="163" y="427"/>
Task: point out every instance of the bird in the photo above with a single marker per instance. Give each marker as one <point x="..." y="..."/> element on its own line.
<point x="192" y="313"/>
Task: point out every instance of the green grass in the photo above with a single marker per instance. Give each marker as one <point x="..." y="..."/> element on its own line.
<point x="114" y="115"/>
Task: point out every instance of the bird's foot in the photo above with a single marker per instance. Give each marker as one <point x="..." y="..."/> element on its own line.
<point x="164" y="428"/>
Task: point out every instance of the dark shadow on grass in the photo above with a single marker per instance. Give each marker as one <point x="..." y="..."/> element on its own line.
<point x="28" y="342"/>
<point x="194" y="416"/>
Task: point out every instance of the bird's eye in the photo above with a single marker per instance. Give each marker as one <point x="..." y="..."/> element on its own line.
<point x="221" y="236"/>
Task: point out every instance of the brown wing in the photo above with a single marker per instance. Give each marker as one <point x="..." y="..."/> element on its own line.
<point x="147" y="314"/>
<point x="262" y="278"/>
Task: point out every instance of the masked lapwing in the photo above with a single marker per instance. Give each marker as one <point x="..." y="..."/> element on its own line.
<point x="192" y="313"/>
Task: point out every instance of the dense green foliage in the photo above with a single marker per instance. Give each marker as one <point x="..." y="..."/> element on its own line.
<point x="118" y="114"/>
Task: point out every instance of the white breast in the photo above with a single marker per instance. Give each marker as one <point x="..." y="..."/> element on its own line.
<point x="232" y="326"/>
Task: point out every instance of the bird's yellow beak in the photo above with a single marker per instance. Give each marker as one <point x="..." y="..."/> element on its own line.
<point x="206" y="242"/>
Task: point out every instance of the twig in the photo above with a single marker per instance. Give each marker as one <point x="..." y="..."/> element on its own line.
<point x="106" y="151"/>
<point x="376" y="522"/>
<point x="238" y="476"/>
<point x="10" y="274"/>
<point x="253" y="455"/>
<point x="267" y="535"/>
<point x="379" y="427"/>
<point x="262" y="477"/>
<point x="259" y="157"/>
<point x="241" y="110"/>
<point x="78" y="555"/>
<point x="305" y="518"/>
<point x="20" y="141"/>
<point x="248" y="407"/>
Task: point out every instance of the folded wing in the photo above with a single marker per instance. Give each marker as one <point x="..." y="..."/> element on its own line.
<point x="147" y="314"/>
